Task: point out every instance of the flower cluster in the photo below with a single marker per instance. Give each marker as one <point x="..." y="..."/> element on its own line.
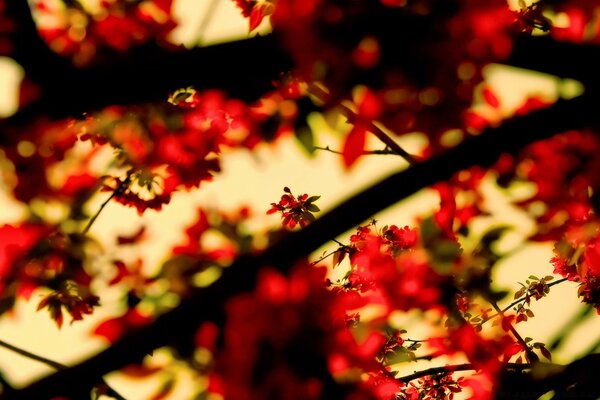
<point x="82" y="32"/>
<point x="295" y="211"/>
<point x="577" y="258"/>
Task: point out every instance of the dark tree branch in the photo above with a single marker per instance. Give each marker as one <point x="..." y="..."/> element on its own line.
<point x="563" y="59"/>
<point x="244" y="69"/>
<point x="207" y="304"/>
<point x="575" y="380"/>
<point x="454" y="368"/>
<point x="53" y="364"/>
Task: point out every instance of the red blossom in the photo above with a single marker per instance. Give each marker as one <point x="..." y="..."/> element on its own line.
<point x="295" y="211"/>
<point x="113" y="328"/>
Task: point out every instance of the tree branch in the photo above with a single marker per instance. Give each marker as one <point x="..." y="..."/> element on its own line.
<point x="454" y="368"/>
<point x="123" y="185"/>
<point x="53" y="364"/>
<point x="207" y="304"/>
<point x="149" y="73"/>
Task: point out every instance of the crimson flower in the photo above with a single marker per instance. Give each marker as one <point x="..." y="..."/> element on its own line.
<point x="294" y="210"/>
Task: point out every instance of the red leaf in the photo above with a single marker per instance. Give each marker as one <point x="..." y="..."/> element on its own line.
<point x="490" y="98"/>
<point x="257" y="14"/>
<point x="475" y="121"/>
<point x="122" y="272"/>
<point x="369" y="104"/>
<point x="355" y="144"/>
<point x="546" y="353"/>
<point x="445" y="217"/>
<point x="531" y="104"/>
<point x="131" y="239"/>
<point x="111" y="329"/>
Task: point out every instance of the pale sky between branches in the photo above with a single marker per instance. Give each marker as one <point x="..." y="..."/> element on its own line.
<point x="256" y="179"/>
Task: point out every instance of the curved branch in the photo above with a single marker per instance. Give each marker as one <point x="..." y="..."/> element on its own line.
<point x="457" y="367"/>
<point x="53" y="364"/>
<point x="207" y="304"/>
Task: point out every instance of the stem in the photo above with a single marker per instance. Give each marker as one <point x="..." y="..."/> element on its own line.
<point x="32" y="356"/>
<point x="453" y="368"/>
<point x="530" y="354"/>
<point x="374" y="129"/>
<point x="429" y="357"/>
<point x="519" y="300"/>
<point x="326" y="256"/>
<point x="514" y="303"/>
<point x="118" y="189"/>
<point x="366" y="152"/>
<point x="56" y="365"/>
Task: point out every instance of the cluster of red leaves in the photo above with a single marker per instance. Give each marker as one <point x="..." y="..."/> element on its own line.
<point x="255" y="11"/>
<point x="36" y="255"/>
<point x="580" y="26"/>
<point x="164" y="147"/>
<point x="273" y="338"/>
<point x="432" y="387"/>
<point x="577" y="258"/>
<point x="75" y="299"/>
<point x="295" y="211"/>
<point x="563" y="170"/>
<point x="16" y="243"/>
<point x="273" y="335"/>
<point x="449" y="62"/>
<point x="534" y="288"/>
<point x="81" y="33"/>
<point x="388" y="269"/>
<point x="35" y="152"/>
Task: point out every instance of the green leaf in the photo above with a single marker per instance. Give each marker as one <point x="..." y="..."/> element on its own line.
<point x="305" y="137"/>
<point x="400" y="355"/>
<point x="308" y="216"/>
<point x="312" y="199"/>
<point x="338" y="257"/>
<point x="429" y="231"/>
<point x="312" y="207"/>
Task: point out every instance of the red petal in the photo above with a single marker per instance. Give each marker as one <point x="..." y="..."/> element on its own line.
<point x="490" y="98"/>
<point x="256" y="16"/>
<point x="355" y="144"/>
<point x="475" y="121"/>
<point x="131" y="239"/>
<point x="369" y="104"/>
<point x="445" y="217"/>
<point x="111" y="329"/>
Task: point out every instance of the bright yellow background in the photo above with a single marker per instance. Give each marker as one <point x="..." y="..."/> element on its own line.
<point x="256" y="179"/>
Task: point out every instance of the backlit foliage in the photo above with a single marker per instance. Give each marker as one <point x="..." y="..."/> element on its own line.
<point x="275" y="323"/>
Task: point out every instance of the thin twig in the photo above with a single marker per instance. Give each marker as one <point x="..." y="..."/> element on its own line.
<point x="56" y="365"/>
<point x="386" y="151"/>
<point x="326" y="256"/>
<point x="514" y="303"/>
<point x="371" y="127"/>
<point x="530" y="354"/>
<point x="517" y="301"/>
<point x="32" y="356"/>
<point x="453" y="368"/>
<point x="119" y="188"/>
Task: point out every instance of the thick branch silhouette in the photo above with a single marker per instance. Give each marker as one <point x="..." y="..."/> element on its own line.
<point x="207" y="304"/>
<point x="246" y="69"/>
